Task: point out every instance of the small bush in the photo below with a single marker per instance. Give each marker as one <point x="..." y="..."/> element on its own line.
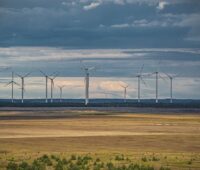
<point x="98" y="160"/>
<point x="73" y="157"/>
<point x="45" y="159"/>
<point x="189" y="162"/>
<point x="24" y="166"/>
<point x="37" y="165"/>
<point x="12" y="166"/>
<point x="59" y="166"/>
<point x="119" y="158"/>
<point x="144" y="159"/>
<point x="155" y="158"/>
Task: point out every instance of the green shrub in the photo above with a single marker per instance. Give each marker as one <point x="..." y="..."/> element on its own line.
<point x="119" y="158"/>
<point x="73" y="157"/>
<point x="144" y="159"/>
<point x="59" y="166"/>
<point x="64" y="161"/>
<point x="98" y="160"/>
<point x="24" y="166"/>
<point x="37" y="165"/>
<point x="110" y="166"/>
<point x="189" y="162"/>
<point x="155" y="159"/>
<point x="45" y="159"/>
<point x="12" y="166"/>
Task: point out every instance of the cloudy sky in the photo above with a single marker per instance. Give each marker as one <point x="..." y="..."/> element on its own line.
<point x="116" y="36"/>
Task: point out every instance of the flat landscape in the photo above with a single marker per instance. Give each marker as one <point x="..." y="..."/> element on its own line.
<point x="173" y="136"/>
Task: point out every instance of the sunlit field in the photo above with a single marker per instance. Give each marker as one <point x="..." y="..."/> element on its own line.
<point x="74" y="139"/>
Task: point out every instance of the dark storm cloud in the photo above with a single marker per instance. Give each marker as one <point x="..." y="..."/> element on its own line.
<point x="104" y="24"/>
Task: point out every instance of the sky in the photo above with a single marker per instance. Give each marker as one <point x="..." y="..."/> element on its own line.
<point x="115" y="36"/>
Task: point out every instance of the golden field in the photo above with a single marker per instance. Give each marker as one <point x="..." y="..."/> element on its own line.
<point x="25" y="135"/>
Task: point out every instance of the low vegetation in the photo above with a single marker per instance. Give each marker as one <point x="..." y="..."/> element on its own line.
<point x="86" y="162"/>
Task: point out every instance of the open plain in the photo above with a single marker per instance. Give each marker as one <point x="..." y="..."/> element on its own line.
<point x="172" y="135"/>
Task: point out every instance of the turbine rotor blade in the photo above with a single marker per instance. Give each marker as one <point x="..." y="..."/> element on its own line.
<point x="26" y="75"/>
<point x="141" y="69"/>
<point x="143" y="81"/>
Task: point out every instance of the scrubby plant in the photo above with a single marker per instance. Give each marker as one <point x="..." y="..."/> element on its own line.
<point x="24" y="166"/>
<point x="12" y="166"/>
<point x="59" y="166"/>
<point x="64" y="161"/>
<point x="119" y="157"/>
<point x="98" y="160"/>
<point x="144" y="159"/>
<point x="37" y="165"/>
<point x="45" y="159"/>
<point x="155" y="158"/>
<point x="110" y="166"/>
<point x="190" y="162"/>
<point x="73" y="157"/>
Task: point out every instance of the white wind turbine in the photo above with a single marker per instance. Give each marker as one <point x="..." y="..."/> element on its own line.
<point x="23" y="85"/>
<point x="61" y="91"/>
<point x="46" y="84"/>
<point x="12" y="83"/>
<point x="87" y="81"/>
<point x="157" y="76"/>
<point x="171" y="77"/>
<point x="52" y="86"/>
<point x="140" y="78"/>
<point x="125" y="91"/>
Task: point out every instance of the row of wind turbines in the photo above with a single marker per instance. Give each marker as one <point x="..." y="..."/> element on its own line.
<point x="140" y="79"/>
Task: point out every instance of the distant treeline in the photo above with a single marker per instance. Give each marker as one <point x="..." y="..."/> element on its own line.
<point x="164" y="103"/>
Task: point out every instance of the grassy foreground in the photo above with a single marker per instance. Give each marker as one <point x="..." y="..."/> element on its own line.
<point x="93" y="140"/>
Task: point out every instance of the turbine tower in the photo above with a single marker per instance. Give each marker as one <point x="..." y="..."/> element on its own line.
<point x="139" y="77"/>
<point x="61" y="91"/>
<point x="52" y="86"/>
<point x="171" y="77"/>
<point x="12" y="83"/>
<point x="87" y="81"/>
<point x="22" y="85"/>
<point x="125" y="91"/>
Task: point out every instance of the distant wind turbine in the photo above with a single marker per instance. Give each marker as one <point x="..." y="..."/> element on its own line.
<point x="171" y="77"/>
<point x="87" y="83"/>
<point x="23" y="85"/>
<point x="46" y="84"/>
<point x="12" y="83"/>
<point x="125" y="91"/>
<point x="140" y="78"/>
<point x="157" y="76"/>
<point x="52" y="86"/>
<point x="61" y="91"/>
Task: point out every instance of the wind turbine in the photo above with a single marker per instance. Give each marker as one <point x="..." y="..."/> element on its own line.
<point x="22" y="84"/>
<point x="12" y="83"/>
<point x="125" y="91"/>
<point x="46" y="84"/>
<point x="139" y="77"/>
<point x="87" y="81"/>
<point x="52" y="86"/>
<point x="157" y="75"/>
<point x="61" y="91"/>
<point x="171" y="77"/>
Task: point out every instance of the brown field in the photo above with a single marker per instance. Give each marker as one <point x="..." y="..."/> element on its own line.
<point x="27" y="134"/>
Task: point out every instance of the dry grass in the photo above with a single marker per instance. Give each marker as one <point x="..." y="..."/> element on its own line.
<point x="77" y="132"/>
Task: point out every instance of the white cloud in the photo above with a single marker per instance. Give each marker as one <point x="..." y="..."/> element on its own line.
<point x="120" y="26"/>
<point x="161" y="5"/>
<point x="93" y="5"/>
